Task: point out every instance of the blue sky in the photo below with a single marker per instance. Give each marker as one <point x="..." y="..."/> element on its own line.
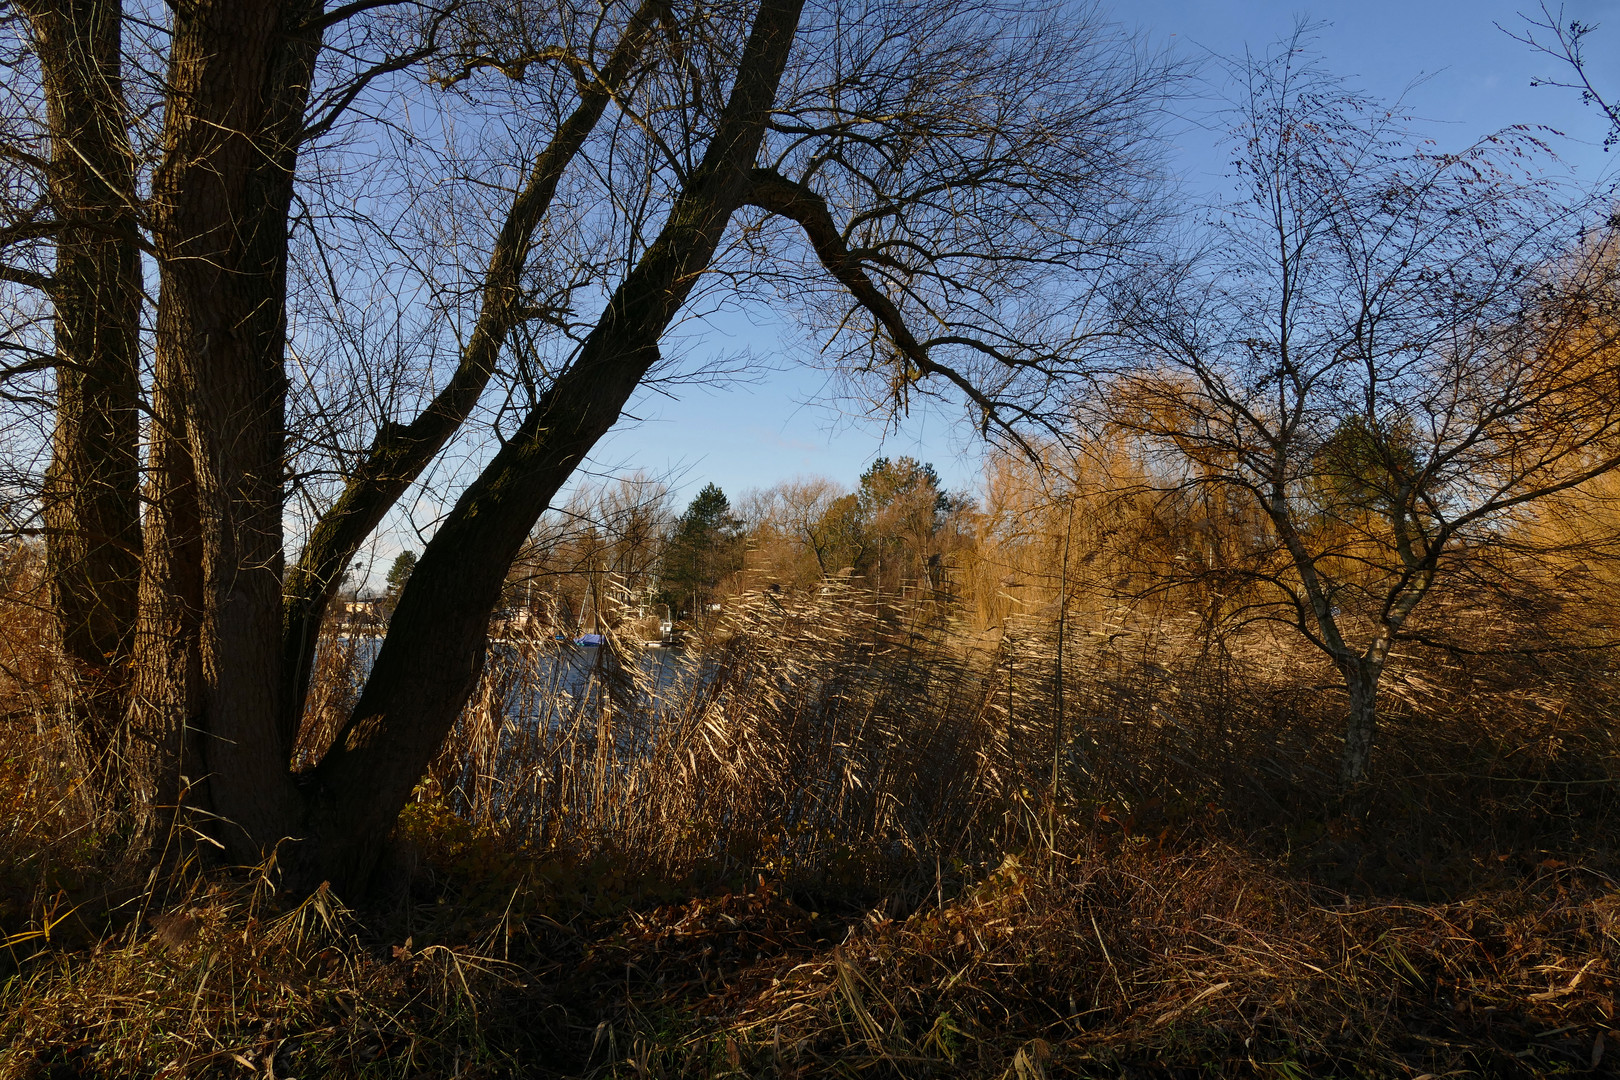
<point x="1457" y="71"/>
<point x="1474" y="79"/>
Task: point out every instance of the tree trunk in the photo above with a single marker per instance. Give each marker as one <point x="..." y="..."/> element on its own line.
<point x="211" y="616"/>
<point x="91" y="498"/>
<point x="435" y="647"/>
<point x="1361" y="680"/>
<point x="400" y="452"/>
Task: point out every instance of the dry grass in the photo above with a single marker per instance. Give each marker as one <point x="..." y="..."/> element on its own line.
<point x="1141" y="960"/>
<point x="222" y="983"/>
<point x="803" y="736"/>
<point x="831" y="847"/>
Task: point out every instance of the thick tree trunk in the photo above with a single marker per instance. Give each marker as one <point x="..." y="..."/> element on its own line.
<point x="435" y="647"/>
<point x="166" y="680"/>
<point x="211" y="617"/>
<point x="91" y="499"/>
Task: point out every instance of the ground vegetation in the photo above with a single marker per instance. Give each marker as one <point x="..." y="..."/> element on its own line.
<point x="1047" y="778"/>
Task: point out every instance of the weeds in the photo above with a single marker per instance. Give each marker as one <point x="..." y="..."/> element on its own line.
<point x="1190" y="960"/>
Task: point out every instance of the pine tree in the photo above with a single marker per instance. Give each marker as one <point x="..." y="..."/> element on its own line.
<point x="400" y="572"/>
<point x="704" y="548"/>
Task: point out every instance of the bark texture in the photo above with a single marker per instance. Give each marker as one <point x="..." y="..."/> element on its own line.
<point x="211" y="616"/>
<point x="91" y="503"/>
<point x="1361" y="680"/>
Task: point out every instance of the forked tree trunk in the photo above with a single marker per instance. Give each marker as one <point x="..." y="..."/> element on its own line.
<point x="1360" y="669"/>
<point x="400" y="452"/>
<point x="435" y="646"/>
<point x="207" y="713"/>
<point x="91" y="497"/>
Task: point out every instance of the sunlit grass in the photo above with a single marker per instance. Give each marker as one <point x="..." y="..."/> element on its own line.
<point x="834" y="848"/>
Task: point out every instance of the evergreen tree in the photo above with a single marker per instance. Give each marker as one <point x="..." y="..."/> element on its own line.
<point x="902" y="508"/>
<point x="400" y="573"/>
<point x="704" y="548"/>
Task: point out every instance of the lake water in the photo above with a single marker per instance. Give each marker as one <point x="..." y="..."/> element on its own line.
<point x="544" y="678"/>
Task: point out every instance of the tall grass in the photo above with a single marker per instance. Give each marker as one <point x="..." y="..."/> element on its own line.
<point x="837" y="728"/>
<point x="801" y="733"/>
<point x="1044" y="844"/>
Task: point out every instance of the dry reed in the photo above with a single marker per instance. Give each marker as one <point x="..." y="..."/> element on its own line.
<point x="856" y="834"/>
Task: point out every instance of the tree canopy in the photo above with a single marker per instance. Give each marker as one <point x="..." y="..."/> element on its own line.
<point x="269" y="266"/>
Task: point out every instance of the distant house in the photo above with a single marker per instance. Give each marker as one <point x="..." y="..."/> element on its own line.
<point x="362" y="614"/>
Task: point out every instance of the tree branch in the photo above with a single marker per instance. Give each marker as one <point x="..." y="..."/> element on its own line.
<point x="775" y="193"/>
<point x="43" y="282"/>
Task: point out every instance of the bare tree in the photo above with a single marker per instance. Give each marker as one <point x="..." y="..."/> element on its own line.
<point x="1552" y="34"/>
<point x="573" y="180"/>
<point x="797" y="534"/>
<point x="1388" y="353"/>
<point x="599" y="553"/>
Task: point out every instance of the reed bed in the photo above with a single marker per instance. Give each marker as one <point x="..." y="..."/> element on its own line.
<point x="806" y="735"/>
<point x="797" y="735"/>
<point x="859" y="835"/>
